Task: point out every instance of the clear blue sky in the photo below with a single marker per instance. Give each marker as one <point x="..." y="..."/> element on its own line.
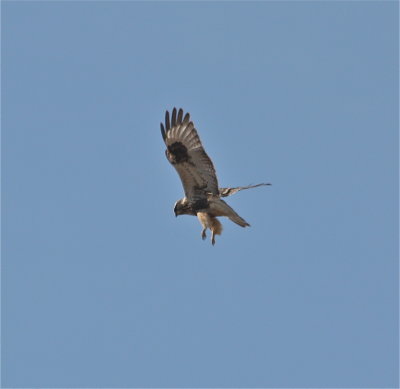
<point x="103" y="287"/>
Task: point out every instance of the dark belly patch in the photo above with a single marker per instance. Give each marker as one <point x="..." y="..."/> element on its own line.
<point x="199" y="205"/>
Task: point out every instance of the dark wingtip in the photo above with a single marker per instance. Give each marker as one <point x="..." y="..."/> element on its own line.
<point x="163" y="131"/>
<point x="167" y="124"/>
<point x="180" y="115"/>
<point x="173" y="118"/>
<point x="186" y="118"/>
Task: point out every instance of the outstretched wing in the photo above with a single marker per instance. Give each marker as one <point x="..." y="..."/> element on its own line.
<point x="187" y="155"/>
<point x="224" y="192"/>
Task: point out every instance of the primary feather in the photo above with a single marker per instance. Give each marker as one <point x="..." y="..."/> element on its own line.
<point x="225" y="192"/>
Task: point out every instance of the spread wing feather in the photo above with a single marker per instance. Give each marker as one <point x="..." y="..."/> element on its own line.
<point x="186" y="153"/>
<point x="224" y="192"/>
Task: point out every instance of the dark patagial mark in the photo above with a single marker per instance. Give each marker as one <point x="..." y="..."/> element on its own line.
<point x="179" y="152"/>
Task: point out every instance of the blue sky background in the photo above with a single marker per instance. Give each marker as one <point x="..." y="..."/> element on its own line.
<point x="103" y="287"/>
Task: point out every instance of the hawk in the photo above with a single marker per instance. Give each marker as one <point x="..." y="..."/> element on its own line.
<point x="196" y="171"/>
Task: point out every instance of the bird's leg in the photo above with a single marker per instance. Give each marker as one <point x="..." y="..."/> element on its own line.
<point x="203" y="233"/>
<point x="213" y="237"/>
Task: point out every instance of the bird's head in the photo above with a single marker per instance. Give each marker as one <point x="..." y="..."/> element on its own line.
<point x="178" y="208"/>
<point x="182" y="207"/>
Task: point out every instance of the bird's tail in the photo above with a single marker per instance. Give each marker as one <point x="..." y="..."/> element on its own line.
<point x="238" y="220"/>
<point x="220" y="208"/>
<point x="224" y="192"/>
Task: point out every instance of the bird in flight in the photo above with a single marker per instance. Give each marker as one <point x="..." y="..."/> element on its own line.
<point x="196" y="171"/>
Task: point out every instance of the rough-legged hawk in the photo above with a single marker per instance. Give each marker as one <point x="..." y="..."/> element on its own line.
<point x="197" y="173"/>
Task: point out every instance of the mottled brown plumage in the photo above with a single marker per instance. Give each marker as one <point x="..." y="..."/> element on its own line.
<point x="197" y="173"/>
